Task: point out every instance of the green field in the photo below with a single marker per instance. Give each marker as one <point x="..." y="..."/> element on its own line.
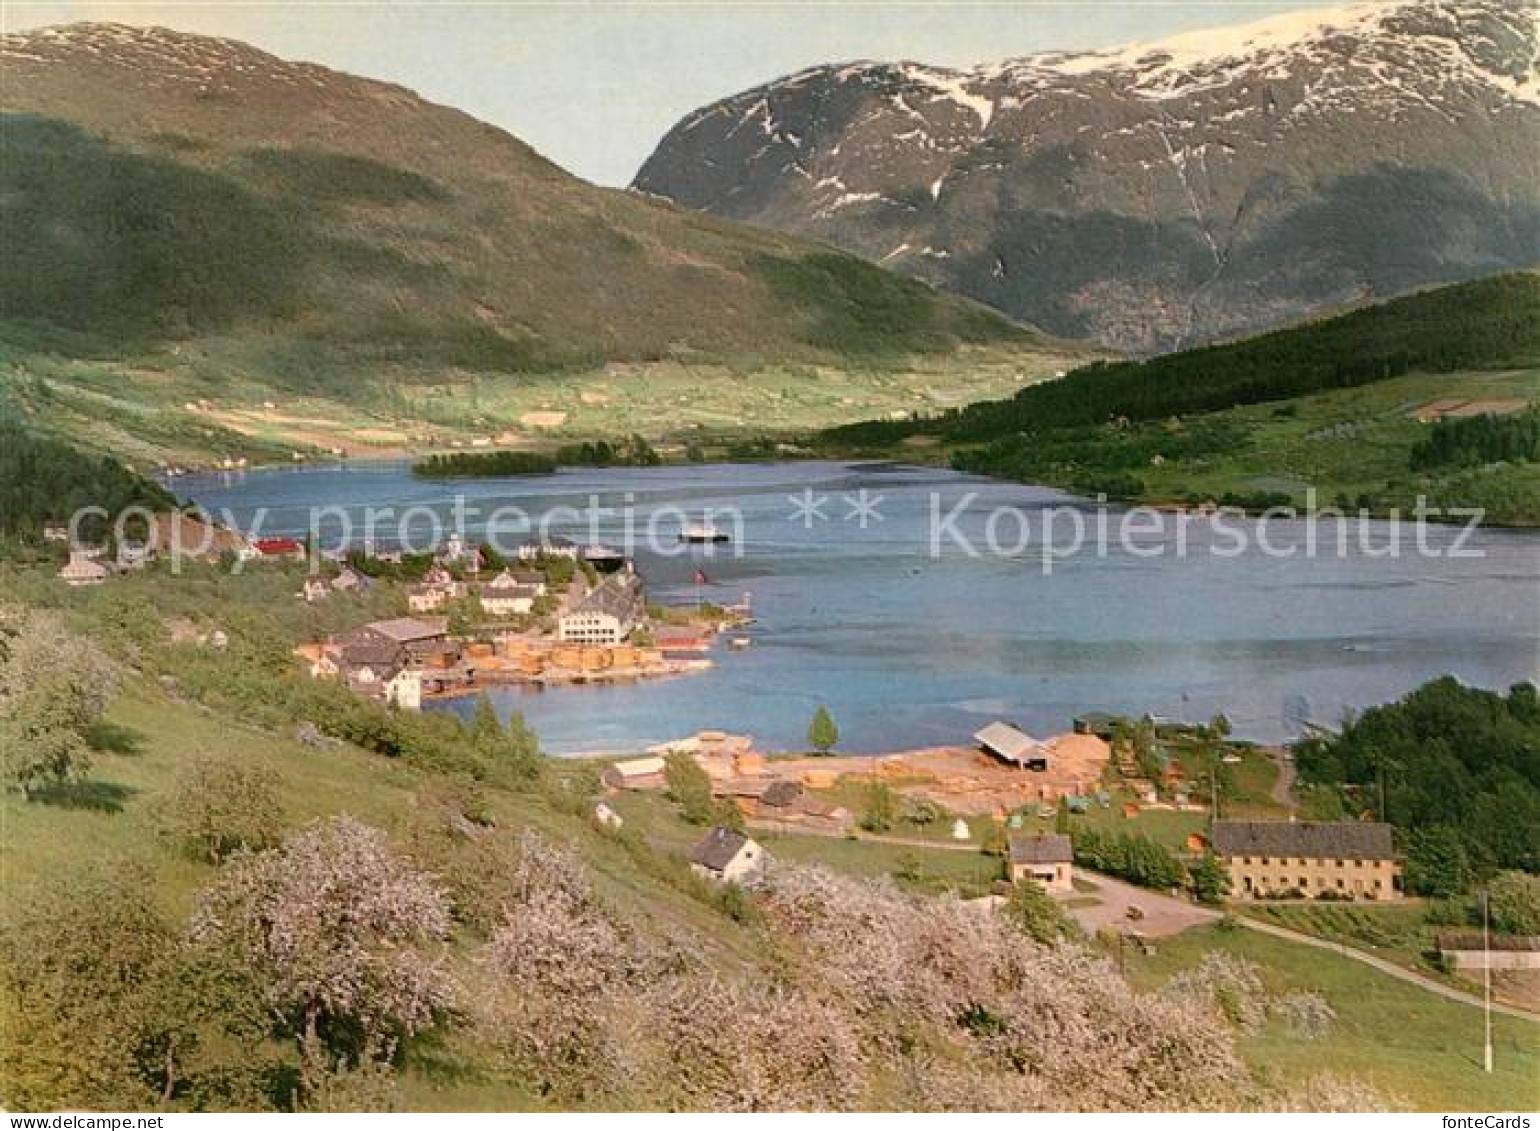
<point x="197" y="408"/>
<point x="1400" y="932"/>
<point x="1355" y="442"/>
<point x="968" y="873"/>
<point x="1406" y="1041"/>
<point x="1347" y="445"/>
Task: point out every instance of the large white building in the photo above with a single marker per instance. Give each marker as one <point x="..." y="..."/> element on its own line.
<point x="608" y="614"/>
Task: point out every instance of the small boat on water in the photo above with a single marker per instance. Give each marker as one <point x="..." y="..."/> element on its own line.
<point x="703" y="532"/>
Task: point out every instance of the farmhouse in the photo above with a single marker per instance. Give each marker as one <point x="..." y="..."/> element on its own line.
<point x="729" y="857"/>
<point x="351" y="581"/>
<point x="421" y="637"/>
<point x="456" y="551"/>
<point x="505" y="595"/>
<point x="1337" y="859"/>
<point x="1048" y="859"/>
<point x="608" y="614"/>
<point x="1011" y="744"/>
<point x="369" y="658"/>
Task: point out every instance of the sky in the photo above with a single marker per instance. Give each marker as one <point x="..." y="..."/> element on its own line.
<point x="595" y="85"/>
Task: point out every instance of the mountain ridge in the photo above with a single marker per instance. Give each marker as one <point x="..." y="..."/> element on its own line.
<point x="1192" y="189"/>
<point x="164" y="186"/>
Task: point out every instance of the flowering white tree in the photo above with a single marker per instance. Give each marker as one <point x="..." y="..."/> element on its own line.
<point x="553" y="961"/>
<point x="344" y="936"/>
<point x="1058" y="1024"/>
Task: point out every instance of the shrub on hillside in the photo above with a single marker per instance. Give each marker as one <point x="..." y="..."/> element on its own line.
<point x="1514" y="903"/>
<point x="217" y="807"/>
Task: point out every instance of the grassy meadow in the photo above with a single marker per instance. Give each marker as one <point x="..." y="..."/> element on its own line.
<point x="197" y="406"/>
<point x="1421" y="1048"/>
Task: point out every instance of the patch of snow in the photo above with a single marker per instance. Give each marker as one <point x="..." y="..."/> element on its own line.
<point x="953" y="85"/>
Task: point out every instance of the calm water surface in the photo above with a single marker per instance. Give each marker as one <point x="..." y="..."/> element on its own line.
<point x="907" y="649"/>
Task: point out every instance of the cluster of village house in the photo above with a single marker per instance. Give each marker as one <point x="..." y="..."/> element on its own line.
<point x="405" y="659"/>
<point x="402" y="660"/>
<point x="1332" y="860"/>
<point x="167" y="534"/>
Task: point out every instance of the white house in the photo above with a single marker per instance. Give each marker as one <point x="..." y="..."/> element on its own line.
<point x="431" y="597"/>
<point x="729" y="857"/>
<point x="134" y="555"/>
<point x="507" y="596"/>
<point x="1047" y="859"/>
<point x="404" y="690"/>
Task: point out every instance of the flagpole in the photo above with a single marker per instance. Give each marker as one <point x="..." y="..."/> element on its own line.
<point x="1486" y="946"/>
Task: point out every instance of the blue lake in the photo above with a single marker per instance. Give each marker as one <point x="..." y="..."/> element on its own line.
<point x="911" y="647"/>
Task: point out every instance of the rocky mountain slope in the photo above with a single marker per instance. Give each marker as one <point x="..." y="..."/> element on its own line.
<point x="1165" y="194"/>
<point x="320" y="229"/>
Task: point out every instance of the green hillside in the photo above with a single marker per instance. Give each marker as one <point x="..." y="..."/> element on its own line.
<point x="191" y="218"/>
<point x="1345" y="407"/>
<point x="44" y="480"/>
<point x="513" y="954"/>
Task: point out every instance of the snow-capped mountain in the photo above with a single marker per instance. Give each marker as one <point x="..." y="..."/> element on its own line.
<point x="1162" y="194"/>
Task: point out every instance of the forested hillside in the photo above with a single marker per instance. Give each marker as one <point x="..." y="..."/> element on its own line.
<point x="1459" y="768"/>
<point x="1488" y="324"/>
<point x="1342" y="407"/>
<point x="45" y="480"/>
